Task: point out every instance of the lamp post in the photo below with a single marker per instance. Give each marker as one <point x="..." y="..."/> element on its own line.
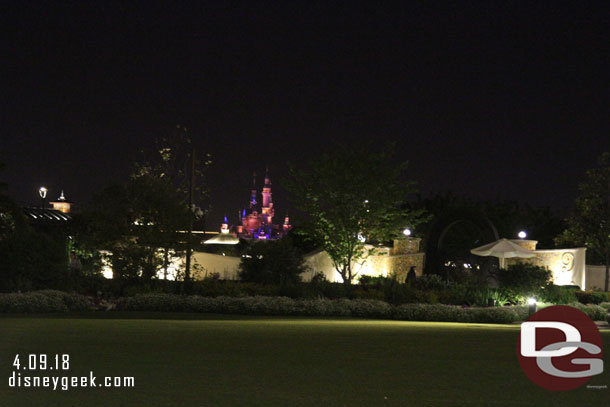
<point x="43" y="194"/>
<point x="531" y="306"/>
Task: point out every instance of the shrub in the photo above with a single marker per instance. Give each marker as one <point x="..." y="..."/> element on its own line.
<point x="32" y="260"/>
<point x="318" y="307"/>
<point x="272" y="262"/>
<point x="73" y="301"/>
<point x="461" y="294"/>
<point x="397" y="294"/>
<point x="368" y="293"/>
<point x="591" y="297"/>
<point x="556" y="294"/>
<point x="524" y="278"/>
<point x="374" y="281"/>
<point x="430" y="282"/>
<point x="492" y="315"/>
<point x="44" y="301"/>
<point x="595" y="312"/>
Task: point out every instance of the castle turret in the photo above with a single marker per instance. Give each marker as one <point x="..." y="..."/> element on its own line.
<point x="267" y="208"/>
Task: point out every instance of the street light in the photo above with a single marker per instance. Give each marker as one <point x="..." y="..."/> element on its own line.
<point x="522" y="234"/>
<point x="43" y="194"/>
<point x="406" y="232"/>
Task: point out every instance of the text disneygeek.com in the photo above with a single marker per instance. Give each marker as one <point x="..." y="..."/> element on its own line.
<point x="46" y="363"/>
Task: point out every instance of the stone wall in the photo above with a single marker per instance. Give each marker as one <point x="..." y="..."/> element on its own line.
<point x="567" y="265"/>
<point x="595" y="277"/>
<point x="394" y="261"/>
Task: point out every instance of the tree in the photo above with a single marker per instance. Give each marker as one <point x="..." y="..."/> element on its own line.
<point x="175" y="161"/>
<point x="589" y="222"/>
<point x="29" y="259"/>
<point x="11" y="216"/>
<point x="151" y="211"/>
<point x="350" y="198"/>
<point x="272" y="262"/>
<point x="32" y="260"/>
<point x="134" y="221"/>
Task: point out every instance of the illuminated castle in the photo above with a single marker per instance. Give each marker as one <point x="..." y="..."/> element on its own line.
<point x="257" y="220"/>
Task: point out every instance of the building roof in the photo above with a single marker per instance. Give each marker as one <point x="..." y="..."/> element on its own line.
<point x="61" y="199"/>
<point x="52" y="215"/>
<point x="224" y="237"/>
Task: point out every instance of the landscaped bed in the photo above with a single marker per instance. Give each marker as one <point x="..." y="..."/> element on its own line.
<point x="57" y="301"/>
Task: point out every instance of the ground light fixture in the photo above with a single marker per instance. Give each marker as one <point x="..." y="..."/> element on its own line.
<point x="531" y="302"/>
<point x="522" y="234"/>
<point x="406" y="232"/>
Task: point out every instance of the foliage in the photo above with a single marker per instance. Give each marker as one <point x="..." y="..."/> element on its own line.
<point x="171" y="160"/>
<point x="44" y="301"/>
<point x="592" y="297"/>
<point x="593" y="311"/>
<point x="589" y="223"/>
<point x="11" y="217"/>
<point x="272" y="262"/>
<point x="556" y="294"/>
<point x="142" y="221"/>
<point x="430" y="282"/>
<point x="372" y="281"/>
<point x="32" y="260"/>
<point x="349" y="197"/>
<point x="318" y="307"/>
<point x="524" y="278"/>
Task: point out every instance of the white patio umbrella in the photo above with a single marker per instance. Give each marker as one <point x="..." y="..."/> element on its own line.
<point x="503" y="249"/>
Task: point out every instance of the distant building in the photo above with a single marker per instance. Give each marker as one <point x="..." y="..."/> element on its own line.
<point x="62" y="204"/>
<point x="59" y="212"/>
<point x="256" y="222"/>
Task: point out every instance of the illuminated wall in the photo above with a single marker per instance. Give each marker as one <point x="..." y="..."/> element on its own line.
<point x="208" y="265"/>
<point x="396" y="261"/>
<point x="567" y="265"/>
<point x="595" y="277"/>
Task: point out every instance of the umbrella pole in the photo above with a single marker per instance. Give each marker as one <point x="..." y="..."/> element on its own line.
<point x="502" y="262"/>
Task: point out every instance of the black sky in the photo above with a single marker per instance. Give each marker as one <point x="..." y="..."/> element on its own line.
<point x="490" y="99"/>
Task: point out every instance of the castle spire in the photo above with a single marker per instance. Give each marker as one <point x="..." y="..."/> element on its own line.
<point x="253" y="192"/>
<point x="267" y="180"/>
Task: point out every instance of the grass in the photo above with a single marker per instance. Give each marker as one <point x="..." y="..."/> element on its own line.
<point x="282" y="362"/>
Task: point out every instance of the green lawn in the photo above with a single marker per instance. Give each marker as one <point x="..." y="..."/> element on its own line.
<point x="283" y="362"/>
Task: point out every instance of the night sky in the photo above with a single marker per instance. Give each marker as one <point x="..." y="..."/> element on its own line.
<point x="491" y="99"/>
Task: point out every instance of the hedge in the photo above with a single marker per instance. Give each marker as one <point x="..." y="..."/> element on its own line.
<point x="58" y="301"/>
<point x="44" y="301"/>
<point x="321" y="307"/>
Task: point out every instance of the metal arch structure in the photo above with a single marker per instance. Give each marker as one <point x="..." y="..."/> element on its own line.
<point x="436" y="237"/>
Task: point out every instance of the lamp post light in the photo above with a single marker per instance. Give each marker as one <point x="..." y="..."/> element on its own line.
<point x="43" y="194"/>
<point x="531" y="302"/>
<point x="522" y="234"/>
<point x="407" y="232"/>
